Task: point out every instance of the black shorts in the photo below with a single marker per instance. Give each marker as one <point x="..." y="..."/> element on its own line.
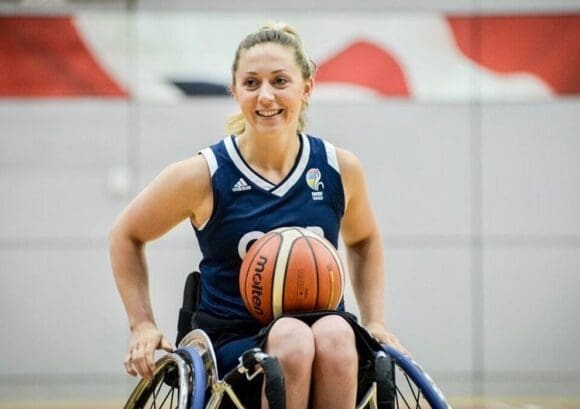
<point x="231" y="338"/>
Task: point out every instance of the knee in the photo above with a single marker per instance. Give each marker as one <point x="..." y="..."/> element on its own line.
<point x="335" y="344"/>
<point x="292" y="342"/>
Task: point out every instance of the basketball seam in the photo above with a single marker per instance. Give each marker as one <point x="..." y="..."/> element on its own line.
<point x="286" y="276"/>
<point x="338" y="261"/>
<point x="281" y="230"/>
<point x="317" y="269"/>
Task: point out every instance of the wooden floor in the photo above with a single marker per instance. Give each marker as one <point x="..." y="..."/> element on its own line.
<point x="457" y="403"/>
<point x="515" y="403"/>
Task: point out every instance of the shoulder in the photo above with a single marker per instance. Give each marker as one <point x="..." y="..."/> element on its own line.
<point x="181" y="190"/>
<point x="189" y="179"/>
<point x="347" y="160"/>
<point x="194" y="170"/>
<point x="350" y="166"/>
<point x="352" y="175"/>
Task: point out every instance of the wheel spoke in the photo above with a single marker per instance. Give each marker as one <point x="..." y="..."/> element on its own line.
<point x="403" y="397"/>
<point x="169" y="393"/>
<point x="408" y="395"/>
<point x="411" y="389"/>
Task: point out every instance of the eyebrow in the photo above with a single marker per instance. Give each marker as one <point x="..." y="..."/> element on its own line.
<point x="273" y="72"/>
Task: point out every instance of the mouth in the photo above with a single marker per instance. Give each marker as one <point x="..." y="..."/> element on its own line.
<point x="269" y="113"/>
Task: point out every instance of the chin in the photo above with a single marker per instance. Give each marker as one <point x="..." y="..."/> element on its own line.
<point x="271" y="129"/>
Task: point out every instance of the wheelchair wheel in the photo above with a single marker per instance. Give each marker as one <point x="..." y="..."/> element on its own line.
<point x="178" y="383"/>
<point x="169" y="387"/>
<point x="414" y="388"/>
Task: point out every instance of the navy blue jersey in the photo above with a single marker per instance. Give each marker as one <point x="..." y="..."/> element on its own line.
<point x="246" y="206"/>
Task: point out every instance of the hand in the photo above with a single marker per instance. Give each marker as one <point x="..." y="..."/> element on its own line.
<point x="146" y="338"/>
<point x="379" y="332"/>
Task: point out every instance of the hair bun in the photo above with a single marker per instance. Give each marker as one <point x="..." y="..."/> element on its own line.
<point x="279" y="26"/>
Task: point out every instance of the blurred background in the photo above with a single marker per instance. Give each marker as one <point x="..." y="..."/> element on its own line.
<point x="465" y="114"/>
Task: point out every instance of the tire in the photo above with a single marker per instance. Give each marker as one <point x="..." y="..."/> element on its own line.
<point x="169" y="387"/>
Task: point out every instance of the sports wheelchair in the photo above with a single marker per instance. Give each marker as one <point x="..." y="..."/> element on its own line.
<point x="188" y="378"/>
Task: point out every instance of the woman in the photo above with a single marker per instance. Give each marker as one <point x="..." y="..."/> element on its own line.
<point x="247" y="184"/>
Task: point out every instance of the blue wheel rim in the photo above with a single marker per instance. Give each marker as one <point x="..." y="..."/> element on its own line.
<point x="431" y="392"/>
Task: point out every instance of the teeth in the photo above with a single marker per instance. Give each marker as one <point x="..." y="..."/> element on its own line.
<point x="269" y="113"/>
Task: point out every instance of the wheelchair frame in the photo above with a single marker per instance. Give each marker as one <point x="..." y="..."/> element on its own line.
<point x="192" y="370"/>
<point x="191" y="389"/>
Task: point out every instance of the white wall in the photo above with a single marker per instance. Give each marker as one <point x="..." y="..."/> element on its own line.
<point x="57" y="6"/>
<point x="480" y="224"/>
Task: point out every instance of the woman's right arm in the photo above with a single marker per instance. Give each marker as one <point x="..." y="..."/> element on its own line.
<point x="181" y="191"/>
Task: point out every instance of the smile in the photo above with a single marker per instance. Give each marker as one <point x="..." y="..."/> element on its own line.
<point x="269" y="113"/>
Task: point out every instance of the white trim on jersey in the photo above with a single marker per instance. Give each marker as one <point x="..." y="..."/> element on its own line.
<point x="331" y="155"/>
<point x="241" y="165"/>
<point x="209" y="156"/>
<point x="298" y="171"/>
<point x="262" y="183"/>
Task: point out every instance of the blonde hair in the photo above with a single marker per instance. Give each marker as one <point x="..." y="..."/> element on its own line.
<point x="278" y="33"/>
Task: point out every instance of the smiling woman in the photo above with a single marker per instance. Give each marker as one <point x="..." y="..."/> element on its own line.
<point x="270" y="90"/>
<point x="281" y="45"/>
<point x="266" y="174"/>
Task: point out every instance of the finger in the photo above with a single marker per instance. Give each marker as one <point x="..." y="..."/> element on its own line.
<point x="129" y="366"/>
<point x="381" y="337"/>
<point x="149" y="359"/>
<point x="140" y="363"/>
<point x="397" y="344"/>
<point x="166" y="345"/>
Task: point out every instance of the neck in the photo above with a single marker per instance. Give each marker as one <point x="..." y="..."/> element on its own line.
<point x="272" y="154"/>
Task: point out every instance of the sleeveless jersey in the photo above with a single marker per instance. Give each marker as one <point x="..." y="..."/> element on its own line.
<point x="246" y="206"/>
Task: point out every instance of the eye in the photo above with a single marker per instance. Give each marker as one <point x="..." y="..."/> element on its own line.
<point x="251" y="83"/>
<point x="280" y="81"/>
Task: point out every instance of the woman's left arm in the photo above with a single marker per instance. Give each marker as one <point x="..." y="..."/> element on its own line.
<point x="362" y="238"/>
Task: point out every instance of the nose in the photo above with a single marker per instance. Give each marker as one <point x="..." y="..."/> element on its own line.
<point x="266" y="94"/>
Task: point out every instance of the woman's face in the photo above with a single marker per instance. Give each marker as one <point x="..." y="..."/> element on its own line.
<point x="270" y="89"/>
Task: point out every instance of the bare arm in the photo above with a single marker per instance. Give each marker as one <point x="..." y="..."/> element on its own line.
<point x="181" y="191"/>
<point x="362" y="237"/>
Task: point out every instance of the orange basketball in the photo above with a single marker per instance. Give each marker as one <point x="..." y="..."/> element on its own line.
<point x="290" y="269"/>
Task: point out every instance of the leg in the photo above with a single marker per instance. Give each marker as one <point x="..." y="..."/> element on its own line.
<point x="335" y="364"/>
<point x="292" y="342"/>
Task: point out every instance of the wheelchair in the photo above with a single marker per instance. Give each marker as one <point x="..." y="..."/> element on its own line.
<point x="188" y="378"/>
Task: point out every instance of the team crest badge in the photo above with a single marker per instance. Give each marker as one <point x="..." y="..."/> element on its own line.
<point x="314" y="181"/>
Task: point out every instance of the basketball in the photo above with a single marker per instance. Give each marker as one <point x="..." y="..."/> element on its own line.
<point x="290" y="269"/>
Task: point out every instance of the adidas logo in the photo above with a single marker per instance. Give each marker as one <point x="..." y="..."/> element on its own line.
<point x="241" y="185"/>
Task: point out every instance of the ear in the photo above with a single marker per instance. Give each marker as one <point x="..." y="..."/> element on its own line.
<point x="308" y="86"/>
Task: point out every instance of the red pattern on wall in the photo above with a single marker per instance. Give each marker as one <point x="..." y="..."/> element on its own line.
<point x="368" y="65"/>
<point x="545" y="45"/>
<point x="46" y="56"/>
